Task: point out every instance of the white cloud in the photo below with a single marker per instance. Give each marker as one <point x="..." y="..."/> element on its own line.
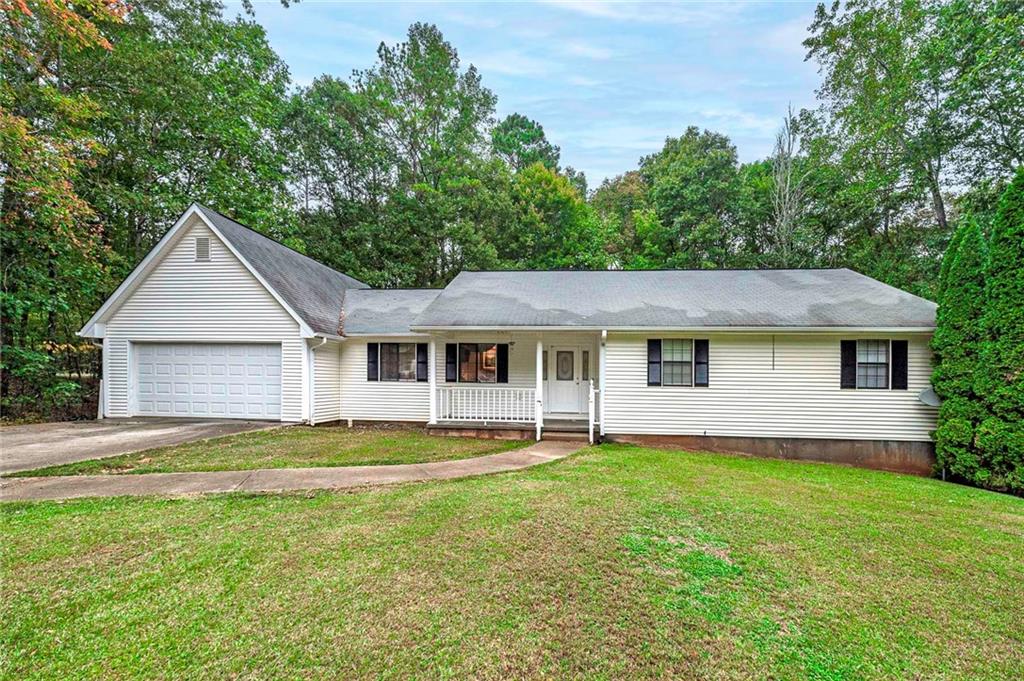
<point x="578" y="48"/>
<point x="510" y="63"/>
<point x="652" y="12"/>
<point x="472" y="21"/>
<point x="735" y="120"/>
<point x="583" y="81"/>
<point x="787" y="38"/>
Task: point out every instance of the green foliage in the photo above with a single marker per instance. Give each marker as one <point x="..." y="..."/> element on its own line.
<point x="693" y="185"/>
<point x="1000" y="379"/>
<point x="555" y="228"/>
<point x="54" y="260"/>
<point x="192" y="107"/>
<point x="521" y="142"/>
<point x="958" y="334"/>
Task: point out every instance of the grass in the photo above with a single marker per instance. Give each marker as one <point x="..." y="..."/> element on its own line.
<point x="616" y="562"/>
<point x="292" y="447"/>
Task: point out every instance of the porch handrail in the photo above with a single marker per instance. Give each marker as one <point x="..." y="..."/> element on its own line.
<point x="491" y="403"/>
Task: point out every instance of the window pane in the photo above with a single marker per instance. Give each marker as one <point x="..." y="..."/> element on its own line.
<point x="467" y="362"/>
<point x="544" y="361"/>
<point x="676" y="350"/>
<point x="563" y="365"/>
<point x="585" y="359"/>
<point x="407" y="362"/>
<point x="872" y="351"/>
<point x="676" y="373"/>
<point x="654" y="373"/>
<point x="389" y="361"/>
<point x="488" y="354"/>
<point x="872" y="375"/>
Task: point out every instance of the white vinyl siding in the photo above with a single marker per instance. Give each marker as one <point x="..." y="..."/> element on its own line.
<point x="115" y="372"/>
<point x="327" y="382"/>
<point x="216" y="301"/>
<point x="364" y="400"/>
<point x="747" y="396"/>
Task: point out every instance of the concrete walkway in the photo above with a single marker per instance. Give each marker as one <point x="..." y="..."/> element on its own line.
<point x="277" y="479"/>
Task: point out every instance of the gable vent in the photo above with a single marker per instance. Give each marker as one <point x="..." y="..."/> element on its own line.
<point x="202" y="248"/>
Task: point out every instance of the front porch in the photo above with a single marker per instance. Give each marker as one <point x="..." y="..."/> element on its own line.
<point x="517" y="384"/>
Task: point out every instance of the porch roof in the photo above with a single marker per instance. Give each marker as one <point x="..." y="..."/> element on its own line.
<point x="812" y="298"/>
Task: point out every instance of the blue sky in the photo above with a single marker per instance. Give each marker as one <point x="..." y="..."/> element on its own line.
<point x="608" y="81"/>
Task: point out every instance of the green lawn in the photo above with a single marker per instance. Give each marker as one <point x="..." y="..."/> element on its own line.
<point x="616" y="562"/>
<point x="292" y="447"/>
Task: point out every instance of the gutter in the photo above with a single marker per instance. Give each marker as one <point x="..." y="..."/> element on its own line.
<point x="694" y="329"/>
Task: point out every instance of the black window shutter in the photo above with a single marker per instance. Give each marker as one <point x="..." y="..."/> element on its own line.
<point x="502" y="362"/>
<point x="848" y="364"/>
<point x="451" y="362"/>
<point x="421" y="362"/>
<point x="653" y="361"/>
<point x="899" y="364"/>
<point x="372" y="362"/>
<point x="700" y="362"/>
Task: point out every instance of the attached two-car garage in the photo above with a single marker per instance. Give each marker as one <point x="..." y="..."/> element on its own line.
<point x="220" y="380"/>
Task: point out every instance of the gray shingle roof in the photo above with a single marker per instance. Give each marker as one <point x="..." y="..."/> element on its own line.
<point x="383" y="311"/>
<point x="312" y="289"/>
<point x="675" y="299"/>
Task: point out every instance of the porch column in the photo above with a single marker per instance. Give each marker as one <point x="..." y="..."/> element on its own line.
<point x="602" y="381"/>
<point x="432" y="379"/>
<point x="539" y="412"/>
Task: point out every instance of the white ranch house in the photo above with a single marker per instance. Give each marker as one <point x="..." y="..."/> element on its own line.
<point x="218" y="321"/>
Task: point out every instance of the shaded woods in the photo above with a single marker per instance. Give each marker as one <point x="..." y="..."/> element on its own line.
<point x="114" y="118"/>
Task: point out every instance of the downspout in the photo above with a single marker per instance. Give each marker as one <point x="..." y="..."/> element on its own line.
<point x="312" y="379"/>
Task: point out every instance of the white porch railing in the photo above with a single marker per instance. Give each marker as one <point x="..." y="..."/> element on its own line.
<point x="591" y="409"/>
<point x="486" y="404"/>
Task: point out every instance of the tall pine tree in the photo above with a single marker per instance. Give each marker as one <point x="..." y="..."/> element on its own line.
<point x="1000" y="379"/>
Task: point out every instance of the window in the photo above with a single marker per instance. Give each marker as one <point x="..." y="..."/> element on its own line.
<point x="467" y="362"/>
<point x="873" y="364"/>
<point x="677" y="361"/>
<point x="544" y="361"/>
<point x="488" y="355"/>
<point x="586" y="365"/>
<point x="396" y="361"/>
<point x="564" y="365"/>
<point x="202" y="248"/>
<point x="476" y="362"/>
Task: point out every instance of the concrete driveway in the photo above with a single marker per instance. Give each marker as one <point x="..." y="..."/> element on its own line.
<point x="38" y="445"/>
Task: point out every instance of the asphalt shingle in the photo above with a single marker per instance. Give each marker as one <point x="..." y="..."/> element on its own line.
<point x="675" y="299"/>
<point x="383" y="311"/>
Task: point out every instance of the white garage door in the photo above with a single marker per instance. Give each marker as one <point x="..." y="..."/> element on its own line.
<point x="227" y="380"/>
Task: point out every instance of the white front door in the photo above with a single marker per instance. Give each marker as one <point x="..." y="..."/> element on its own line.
<point x="564" y="384"/>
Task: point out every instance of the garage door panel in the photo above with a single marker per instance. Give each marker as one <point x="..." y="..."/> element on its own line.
<point x="203" y="379"/>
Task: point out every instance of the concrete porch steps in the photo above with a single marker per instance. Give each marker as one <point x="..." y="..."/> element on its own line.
<point x="563" y="435"/>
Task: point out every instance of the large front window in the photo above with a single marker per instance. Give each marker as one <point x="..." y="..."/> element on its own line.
<point x="478" y="363"/>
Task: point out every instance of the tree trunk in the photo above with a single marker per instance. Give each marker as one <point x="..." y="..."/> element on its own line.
<point x="938" y="205"/>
